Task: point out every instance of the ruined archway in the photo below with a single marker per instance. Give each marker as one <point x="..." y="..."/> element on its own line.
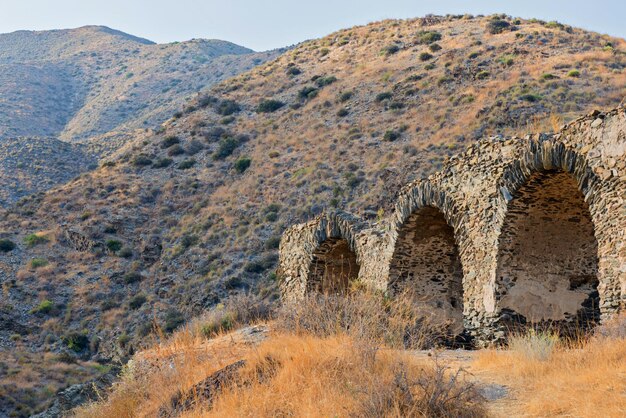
<point x="333" y="267"/>
<point x="547" y="272"/>
<point x="426" y="262"/>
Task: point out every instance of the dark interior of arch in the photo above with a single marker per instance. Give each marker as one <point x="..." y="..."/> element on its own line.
<point x="333" y="267"/>
<point x="548" y="256"/>
<point x="426" y="262"/>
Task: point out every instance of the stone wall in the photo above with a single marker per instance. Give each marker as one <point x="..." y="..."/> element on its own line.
<point x="532" y="227"/>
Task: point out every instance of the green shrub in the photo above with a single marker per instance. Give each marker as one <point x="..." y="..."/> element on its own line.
<point x="35" y="239"/>
<point x="391" y="135"/>
<point x="345" y="96"/>
<point x="113" y="245"/>
<point x="482" y="75"/>
<point x="434" y="47"/>
<point x="272" y="243"/>
<point x="142" y="160"/>
<point x="428" y="37"/>
<point x="506" y="60"/>
<point x="342" y="112"/>
<point x="173" y="319"/>
<point x="75" y="341"/>
<point x="187" y="164"/>
<point x="390" y="49"/>
<point x="425" y="56"/>
<point x="242" y="164"/>
<point x="45" y="307"/>
<point x="168" y="141"/>
<point x="308" y="92"/>
<point x="227" y="107"/>
<point x="293" y="71"/>
<point x="162" y="163"/>
<point x="132" y="277"/>
<point x="573" y="73"/>
<point x="6" y="245"/>
<point x="37" y="262"/>
<point x="384" y="96"/>
<point x="175" y="149"/>
<point x="324" y="51"/>
<point x="473" y="55"/>
<point x="137" y="301"/>
<point x="225" y="148"/>
<point x="529" y="97"/>
<point x="269" y="106"/>
<point x="548" y="76"/>
<point x="496" y="26"/>
<point x="325" y="81"/>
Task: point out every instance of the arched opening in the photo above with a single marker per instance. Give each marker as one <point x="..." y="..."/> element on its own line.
<point x="333" y="267"/>
<point x="426" y="262"/>
<point x="547" y="272"/>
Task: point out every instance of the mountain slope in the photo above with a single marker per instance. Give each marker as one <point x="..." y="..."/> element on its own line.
<point x="176" y="221"/>
<point x="84" y="82"/>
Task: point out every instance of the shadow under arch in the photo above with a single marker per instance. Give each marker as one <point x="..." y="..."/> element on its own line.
<point x="547" y="270"/>
<point x="335" y="261"/>
<point x="425" y="259"/>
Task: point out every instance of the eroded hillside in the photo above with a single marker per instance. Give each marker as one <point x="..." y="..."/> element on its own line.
<point x="178" y="220"/>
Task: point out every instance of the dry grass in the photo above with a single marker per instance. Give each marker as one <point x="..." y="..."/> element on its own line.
<point x="581" y="379"/>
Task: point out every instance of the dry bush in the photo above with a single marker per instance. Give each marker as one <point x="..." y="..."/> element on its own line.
<point x="585" y="379"/>
<point x="330" y="377"/>
<point x="366" y="316"/>
<point x="534" y="345"/>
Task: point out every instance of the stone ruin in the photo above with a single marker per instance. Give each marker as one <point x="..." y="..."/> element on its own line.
<point x="512" y="231"/>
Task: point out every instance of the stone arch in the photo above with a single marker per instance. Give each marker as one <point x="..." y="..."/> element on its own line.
<point x="548" y="266"/>
<point x="334" y="259"/>
<point x="425" y="257"/>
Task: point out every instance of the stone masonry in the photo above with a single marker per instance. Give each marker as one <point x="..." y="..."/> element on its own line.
<point x="531" y="229"/>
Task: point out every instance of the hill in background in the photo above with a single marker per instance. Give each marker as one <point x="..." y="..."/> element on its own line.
<point x="180" y="219"/>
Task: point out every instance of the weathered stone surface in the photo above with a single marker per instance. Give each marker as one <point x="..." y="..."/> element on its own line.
<point x="535" y="227"/>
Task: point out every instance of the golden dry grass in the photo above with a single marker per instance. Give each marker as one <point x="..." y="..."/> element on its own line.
<point x="586" y="379"/>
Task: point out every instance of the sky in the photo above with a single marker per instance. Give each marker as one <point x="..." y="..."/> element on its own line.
<point x="265" y="24"/>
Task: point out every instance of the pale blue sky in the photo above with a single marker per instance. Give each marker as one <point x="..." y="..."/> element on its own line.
<point x="265" y="24"/>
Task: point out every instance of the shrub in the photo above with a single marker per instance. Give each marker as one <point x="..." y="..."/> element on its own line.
<point x="272" y="243"/>
<point x="345" y="96"/>
<point x="573" y="73"/>
<point x="325" y="81"/>
<point x="548" y="76"/>
<point x="293" y="71"/>
<point x="425" y="56"/>
<point x="342" y="112"/>
<point x="529" y="97"/>
<point x="162" y="163"/>
<point x="506" y="60"/>
<point x="137" y="301"/>
<point x="6" y="245"/>
<point x="434" y="47"/>
<point x="173" y="319"/>
<point x="390" y="49"/>
<point x="45" y="307"/>
<point x="36" y="263"/>
<point x="75" y="341"/>
<point x="242" y="164"/>
<point x="269" y="106"/>
<point x="496" y="26"/>
<point x="187" y="164"/>
<point x="113" y="245"/>
<point x="391" y="135"/>
<point x="308" y="92"/>
<point x="482" y="75"/>
<point x="428" y="37"/>
<point x="227" y="107"/>
<point x="225" y="148"/>
<point x="141" y="160"/>
<point x="125" y="252"/>
<point x="175" y="150"/>
<point x="132" y="277"/>
<point x="35" y="239"/>
<point x="168" y="141"/>
<point x="384" y="96"/>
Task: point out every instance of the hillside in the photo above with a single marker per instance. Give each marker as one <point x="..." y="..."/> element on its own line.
<point x="94" y="84"/>
<point x="177" y="220"/>
<point x="77" y="83"/>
